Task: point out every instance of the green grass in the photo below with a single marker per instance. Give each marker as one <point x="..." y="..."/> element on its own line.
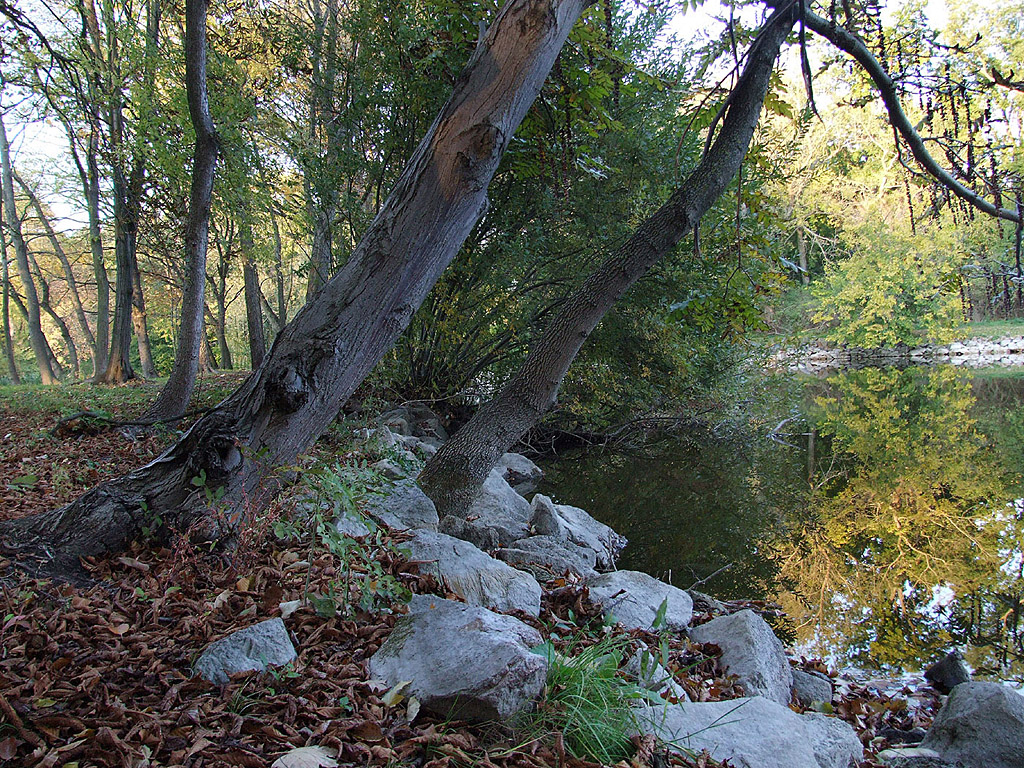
<point x="995" y="329"/>
<point x="588" y="703"/>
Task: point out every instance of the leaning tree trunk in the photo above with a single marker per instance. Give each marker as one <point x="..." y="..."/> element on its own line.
<point x="40" y="348"/>
<point x="174" y="398"/>
<point x="333" y="342"/>
<point x="454" y="475"/>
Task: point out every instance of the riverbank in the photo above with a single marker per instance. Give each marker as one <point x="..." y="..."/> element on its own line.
<point x="113" y="674"/>
<point x="975" y="352"/>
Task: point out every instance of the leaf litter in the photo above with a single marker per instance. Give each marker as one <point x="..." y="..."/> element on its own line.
<point x="100" y="675"/>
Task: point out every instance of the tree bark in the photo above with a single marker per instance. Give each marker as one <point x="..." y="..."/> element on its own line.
<point x="253" y="295"/>
<point x="452" y="478"/>
<point x="177" y="393"/>
<point x="333" y="342"/>
<point x="5" y="314"/>
<point x="40" y="348"/>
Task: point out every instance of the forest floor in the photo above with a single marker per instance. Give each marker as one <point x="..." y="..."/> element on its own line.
<point x="100" y="675"/>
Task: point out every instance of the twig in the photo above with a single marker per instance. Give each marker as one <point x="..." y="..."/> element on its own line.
<point x="706" y="579"/>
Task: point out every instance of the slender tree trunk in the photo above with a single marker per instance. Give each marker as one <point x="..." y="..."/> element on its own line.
<point x="62" y="327"/>
<point x="801" y="247"/>
<point x="452" y="478"/>
<point x="282" y="293"/>
<point x="207" y="360"/>
<point x="69" y="274"/>
<point x="40" y="348"/>
<point x="177" y="393"/>
<point x="5" y="314"/>
<point x="253" y="295"/>
<point x="333" y="342"/>
<point x="139" y="323"/>
<point x="119" y="363"/>
<point x="90" y="182"/>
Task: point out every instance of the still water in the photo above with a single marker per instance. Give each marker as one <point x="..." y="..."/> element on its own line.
<point x="882" y="509"/>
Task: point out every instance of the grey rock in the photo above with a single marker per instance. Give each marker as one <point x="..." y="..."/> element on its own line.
<point x="576" y="525"/>
<point x="811" y="687"/>
<point x="704" y="603"/>
<point x="755" y="733"/>
<point x="981" y="724"/>
<point x="634" y="598"/>
<point x="463" y="662"/>
<point x="498" y="514"/>
<point x="547" y="556"/>
<point x="913" y="757"/>
<point x="546" y="521"/>
<point x="473" y="575"/>
<point x="404" y="506"/>
<point x="752" y="652"/>
<point x="646" y="672"/>
<point x="415" y="419"/>
<point x="522" y="474"/>
<point x="352" y="526"/>
<point x="588" y="532"/>
<point x="390" y="469"/>
<point x="251" y="649"/>
<point x="949" y="672"/>
<point x="480" y="536"/>
<point x="835" y="741"/>
<point x="900" y="736"/>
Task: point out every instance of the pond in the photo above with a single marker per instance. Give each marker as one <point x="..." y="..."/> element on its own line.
<point x="882" y="508"/>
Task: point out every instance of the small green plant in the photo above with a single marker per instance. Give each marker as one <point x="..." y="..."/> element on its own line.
<point x="336" y="490"/>
<point x="588" y="702"/>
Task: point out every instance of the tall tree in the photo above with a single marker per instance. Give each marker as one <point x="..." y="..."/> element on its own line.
<point x="454" y="475"/>
<point x="175" y="396"/>
<point x="333" y="342"/>
<point x="40" y="348"/>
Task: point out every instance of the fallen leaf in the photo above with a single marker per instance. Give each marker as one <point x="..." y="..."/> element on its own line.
<point x="367" y="731"/>
<point x="413" y="708"/>
<point x="289" y="607"/>
<point x="118" y="629"/>
<point x="242" y="585"/>
<point x="8" y="748"/>
<point x="394" y="696"/>
<point x="221" y="599"/>
<point x="306" y="757"/>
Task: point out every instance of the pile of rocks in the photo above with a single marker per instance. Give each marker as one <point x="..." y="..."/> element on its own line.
<point x="970" y="353"/>
<point x="470" y="661"/>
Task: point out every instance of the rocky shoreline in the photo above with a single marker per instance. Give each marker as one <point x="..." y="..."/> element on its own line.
<point x="970" y="353"/>
<point x="471" y="653"/>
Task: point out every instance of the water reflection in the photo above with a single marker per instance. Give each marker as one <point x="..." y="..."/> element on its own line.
<point x="882" y="515"/>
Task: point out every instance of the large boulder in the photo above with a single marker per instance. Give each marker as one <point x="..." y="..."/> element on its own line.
<point x="754" y="733"/>
<point x="811" y="687"/>
<point x="462" y="662"/>
<point x="948" y="672"/>
<point x="404" y="507"/>
<point x="251" y="649"/>
<point x="576" y="525"/>
<point x="751" y="652"/>
<point x="474" y="575"/>
<point x="634" y="599"/>
<point x="548" y="556"/>
<point x="522" y="474"/>
<point x="497" y="517"/>
<point x="981" y="724"/>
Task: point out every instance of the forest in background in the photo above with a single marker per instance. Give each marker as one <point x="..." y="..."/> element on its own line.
<point x="830" y="226"/>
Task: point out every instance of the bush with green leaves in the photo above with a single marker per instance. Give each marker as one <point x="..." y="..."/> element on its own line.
<point x="893" y="288"/>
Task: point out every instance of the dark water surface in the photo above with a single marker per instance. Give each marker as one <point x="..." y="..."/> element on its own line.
<point x="882" y="508"/>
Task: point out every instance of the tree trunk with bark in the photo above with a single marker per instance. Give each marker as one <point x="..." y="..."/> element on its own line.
<point x="453" y="477"/>
<point x="176" y="394"/>
<point x="253" y="294"/>
<point x="333" y="342"/>
<point x="5" y="314"/>
<point x="40" y="347"/>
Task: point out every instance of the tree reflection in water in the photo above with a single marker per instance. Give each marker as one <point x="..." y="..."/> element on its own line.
<point x="887" y="521"/>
